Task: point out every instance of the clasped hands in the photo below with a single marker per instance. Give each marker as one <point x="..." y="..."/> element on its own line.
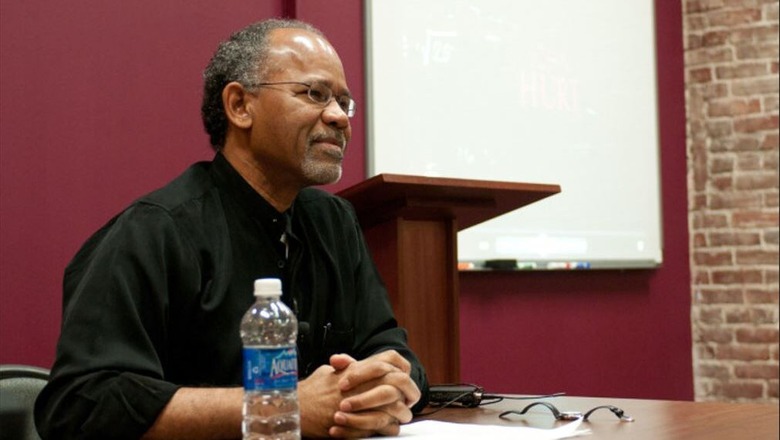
<point x="350" y="398"/>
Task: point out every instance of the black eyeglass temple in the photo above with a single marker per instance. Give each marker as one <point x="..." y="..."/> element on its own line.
<point x="615" y="410"/>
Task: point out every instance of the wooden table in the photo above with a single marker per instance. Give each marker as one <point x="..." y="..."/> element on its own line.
<point x="654" y="419"/>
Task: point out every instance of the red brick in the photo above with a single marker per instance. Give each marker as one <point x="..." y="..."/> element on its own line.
<point x="743" y="390"/>
<point x="763" y="315"/>
<point x="702" y="75"/>
<point x="734" y="200"/>
<point x="699" y="200"/>
<point x="693" y="42"/>
<point x="750" y="352"/>
<point x="699" y="240"/>
<point x="758" y="51"/>
<point x="705" y="351"/>
<point x="754" y="34"/>
<point x="771" y="104"/>
<point x="758" y="256"/>
<point x="700" y="277"/>
<point x="757" y="335"/>
<point x="709" y="315"/>
<point x="710" y="220"/>
<point x="720" y="296"/>
<point x="723" y="183"/>
<point x="760" y="371"/>
<point x="738" y="316"/>
<point x="713" y="258"/>
<point x="715" y="335"/>
<point x="770" y="142"/>
<point x="761" y="123"/>
<point x="693" y="6"/>
<point x="736" y="276"/>
<point x="715" y="90"/>
<point x="715" y="371"/>
<point x="771" y="10"/>
<point x="749" y="162"/>
<point x="772" y="389"/>
<point x="771" y="276"/>
<point x="771" y="200"/>
<point x="770" y="163"/>
<point x="746" y="70"/>
<point x="723" y="164"/>
<point x="700" y="177"/>
<point x="714" y="38"/>
<point x="734" y="107"/>
<point x="734" y="17"/>
<point x="754" y="219"/>
<point x="722" y="144"/>
<point x="755" y="86"/>
<point x="761" y="296"/>
<point x="710" y="55"/>
<point x="719" y="129"/>
<point x="743" y="143"/>
<point x="771" y="237"/>
<point x="695" y="22"/>
<point x="717" y="239"/>
<point x="756" y="181"/>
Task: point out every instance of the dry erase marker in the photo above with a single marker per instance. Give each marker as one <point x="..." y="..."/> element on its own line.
<point x="528" y="265"/>
<point x="568" y="265"/>
<point x="502" y="264"/>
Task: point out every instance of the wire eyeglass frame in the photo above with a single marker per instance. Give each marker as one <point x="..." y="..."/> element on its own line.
<point x="319" y="93"/>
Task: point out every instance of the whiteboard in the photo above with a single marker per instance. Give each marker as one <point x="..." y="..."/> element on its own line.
<point x="560" y="92"/>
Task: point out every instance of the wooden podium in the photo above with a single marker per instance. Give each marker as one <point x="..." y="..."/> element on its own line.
<point x="411" y="224"/>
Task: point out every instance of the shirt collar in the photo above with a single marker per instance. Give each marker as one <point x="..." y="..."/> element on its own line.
<point x="226" y="177"/>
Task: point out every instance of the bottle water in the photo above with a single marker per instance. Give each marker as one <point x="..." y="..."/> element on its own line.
<point x="268" y="332"/>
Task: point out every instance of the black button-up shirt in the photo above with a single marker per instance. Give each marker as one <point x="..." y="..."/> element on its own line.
<point x="153" y="300"/>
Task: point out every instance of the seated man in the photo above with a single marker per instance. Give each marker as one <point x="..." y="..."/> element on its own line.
<point x="150" y="343"/>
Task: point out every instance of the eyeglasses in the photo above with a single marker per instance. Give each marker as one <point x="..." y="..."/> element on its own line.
<point x="570" y="415"/>
<point x="321" y="94"/>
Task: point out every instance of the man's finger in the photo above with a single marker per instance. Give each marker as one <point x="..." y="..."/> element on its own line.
<point x="365" y="371"/>
<point x="394" y="387"/>
<point x="341" y="361"/>
<point x="364" y="424"/>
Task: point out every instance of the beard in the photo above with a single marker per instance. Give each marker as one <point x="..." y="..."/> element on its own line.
<point x="321" y="171"/>
<point x="322" y="167"/>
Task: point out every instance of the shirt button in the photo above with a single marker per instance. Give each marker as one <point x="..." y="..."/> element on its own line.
<point x="280" y="263"/>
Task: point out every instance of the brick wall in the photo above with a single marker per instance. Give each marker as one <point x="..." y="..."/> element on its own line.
<point x="731" y="68"/>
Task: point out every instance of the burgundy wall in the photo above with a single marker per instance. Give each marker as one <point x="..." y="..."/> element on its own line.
<point x="100" y="104"/>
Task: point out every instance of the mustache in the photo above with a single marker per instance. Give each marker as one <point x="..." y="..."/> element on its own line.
<point x="336" y="137"/>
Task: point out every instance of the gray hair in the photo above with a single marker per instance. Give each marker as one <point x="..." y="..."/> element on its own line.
<point x="241" y="58"/>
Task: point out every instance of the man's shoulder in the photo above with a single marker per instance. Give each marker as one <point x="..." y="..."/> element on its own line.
<point x="193" y="184"/>
<point x="180" y="202"/>
<point x="157" y="213"/>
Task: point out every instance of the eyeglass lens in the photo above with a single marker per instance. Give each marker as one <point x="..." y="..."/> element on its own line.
<point x="322" y="94"/>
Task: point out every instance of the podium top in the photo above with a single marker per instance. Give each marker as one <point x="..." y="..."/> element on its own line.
<point x="466" y="201"/>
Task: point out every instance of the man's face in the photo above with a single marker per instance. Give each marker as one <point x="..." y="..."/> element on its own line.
<point x="298" y="141"/>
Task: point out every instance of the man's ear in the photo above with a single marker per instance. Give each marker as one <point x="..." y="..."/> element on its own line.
<point x="237" y="105"/>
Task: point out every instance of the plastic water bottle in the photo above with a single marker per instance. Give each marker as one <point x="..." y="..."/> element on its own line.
<point x="268" y="331"/>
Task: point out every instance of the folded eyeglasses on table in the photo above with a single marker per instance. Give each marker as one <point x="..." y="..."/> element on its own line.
<point x="569" y="415"/>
